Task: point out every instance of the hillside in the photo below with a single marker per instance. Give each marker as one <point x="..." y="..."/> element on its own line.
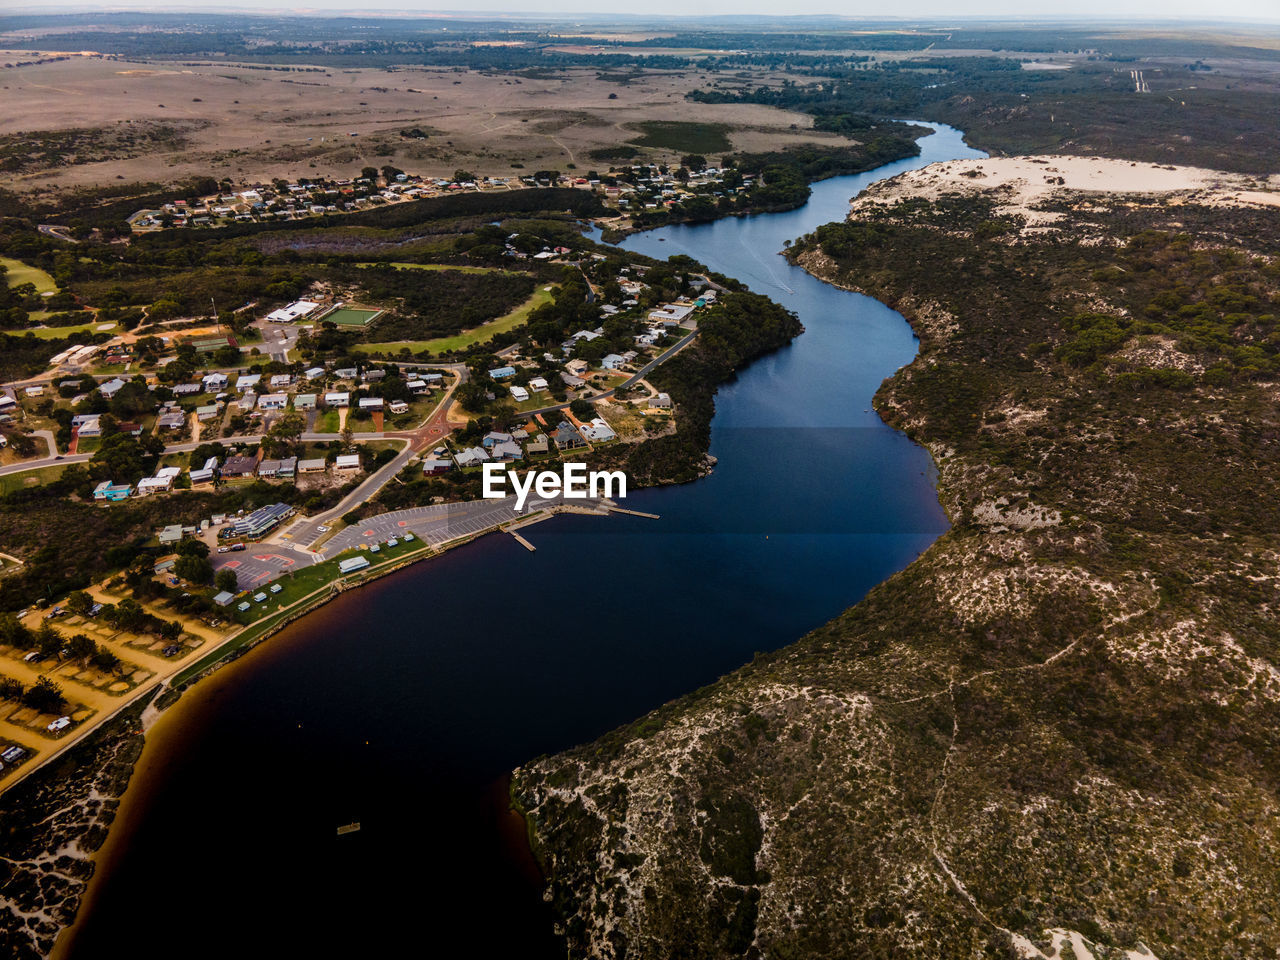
<point x="1055" y="734"/>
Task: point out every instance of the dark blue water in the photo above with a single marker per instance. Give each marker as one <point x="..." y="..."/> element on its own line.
<point x="400" y="705"/>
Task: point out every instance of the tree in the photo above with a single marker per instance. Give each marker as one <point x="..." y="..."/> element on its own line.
<point x="48" y="640"/>
<point x="582" y="409"/>
<point x="226" y="580"/>
<point x="694" y="161"/>
<point x="351" y="518"/>
<point x="81" y="647"/>
<point x="44" y="696"/>
<point x="347" y="438"/>
<point x="170" y="630"/>
<point x="10" y="689"/>
<point x="192" y="547"/>
<point x="194" y="569"/>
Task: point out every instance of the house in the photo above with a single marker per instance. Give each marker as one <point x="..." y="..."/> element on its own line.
<point x="224" y="598"/>
<point x="89" y="425"/>
<point x="502" y="373"/>
<point x="374" y="374"/>
<point x="612" y="361"/>
<point x="470" y="457"/>
<point x="107" y="490"/>
<point x="288" y="467"/>
<point x="273" y="401"/>
<point x="215" y="382"/>
<point x="433" y="379"/>
<point x="304" y="401"/>
<point x="173" y="420"/>
<point x="200" y="476"/>
<point x="268" y="468"/>
<point x="337" y="399"/>
<point x="347" y="462"/>
<point x="671" y="314"/>
<point x="398" y="406"/>
<point x="494" y="437"/>
<point x="170" y="534"/>
<point x="187" y="389"/>
<point x="433" y="467"/>
<point x="207" y="412"/>
<point x="568" y="438"/>
<point x="417" y="386"/>
<point x="7" y="403"/>
<point x="538" y="444"/>
<point x="163" y="480"/>
<point x="36" y="391"/>
<point x="538" y="384"/>
<point x="247" y="382"/>
<point x="239" y="468"/>
<point x="587" y="335"/>
<point x="311" y="466"/>
<point x="111" y="387"/>
<point x="571" y="381"/>
<point x="370" y="403"/>
<point x="281" y="380"/>
<point x="577" y="367"/>
<point x="129" y="428"/>
<point x="506" y="450"/>
<point x="519" y="394"/>
<point x="661" y="402"/>
<point x="596" y="429"/>
<point x="346" y="373"/>
<point x="314" y="373"/>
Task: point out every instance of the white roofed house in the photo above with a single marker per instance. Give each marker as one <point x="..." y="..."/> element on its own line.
<point x="612" y="361"/>
<point x="398" y="406"/>
<point x="597" y="430"/>
<point x="506" y="450"/>
<point x="347" y="462"/>
<point x="337" y="399"/>
<point x="280" y="380"/>
<point x="247" y="382"/>
<point x="273" y="401"/>
<point x="111" y="387"/>
<point x="370" y="403"/>
<point x="538" y="384"/>
<point x="519" y="394"/>
<point x="471" y="456"/>
<point x="313" y="373"/>
<point x="214" y="382"/>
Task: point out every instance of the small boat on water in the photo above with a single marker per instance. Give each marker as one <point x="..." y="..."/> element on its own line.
<point x="349" y="828"/>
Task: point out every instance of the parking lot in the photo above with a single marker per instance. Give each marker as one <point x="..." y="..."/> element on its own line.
<point x="254" y="566"/>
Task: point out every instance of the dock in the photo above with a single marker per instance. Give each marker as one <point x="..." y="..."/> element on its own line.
<point x="522" y="541"/>
<point x="635" y="513"/>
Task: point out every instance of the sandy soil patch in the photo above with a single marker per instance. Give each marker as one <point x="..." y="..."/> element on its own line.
<point x="1025" y="182"/>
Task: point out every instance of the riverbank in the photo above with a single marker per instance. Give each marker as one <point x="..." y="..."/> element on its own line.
<point x="1002" y="747"/>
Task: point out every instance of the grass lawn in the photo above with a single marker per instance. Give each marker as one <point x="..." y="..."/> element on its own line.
<point x="57" y="333"/>
<point x="438" y="266"/>
<point x="468" y="337"/>
<point x="20" y="273"/>
<point x="30" y="478"/>
<point x="327" y="422"/>
<point x="683" y="137"/>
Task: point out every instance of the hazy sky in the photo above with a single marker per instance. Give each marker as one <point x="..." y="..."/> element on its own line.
<point x="1257" y="10"/>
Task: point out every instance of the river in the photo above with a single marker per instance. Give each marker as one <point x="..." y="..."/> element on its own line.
<point x="402" y="705"/>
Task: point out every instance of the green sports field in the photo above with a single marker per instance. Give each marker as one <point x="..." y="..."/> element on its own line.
<point x="351" y="317"/>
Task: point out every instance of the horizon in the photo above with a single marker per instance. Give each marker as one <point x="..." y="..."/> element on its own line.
<point x="1145" y="13"/>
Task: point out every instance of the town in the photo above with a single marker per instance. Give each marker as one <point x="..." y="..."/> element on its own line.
<point x="173" y="410"/>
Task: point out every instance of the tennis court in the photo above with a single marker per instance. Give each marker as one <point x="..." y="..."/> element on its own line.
<point x="352" y="316"/>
